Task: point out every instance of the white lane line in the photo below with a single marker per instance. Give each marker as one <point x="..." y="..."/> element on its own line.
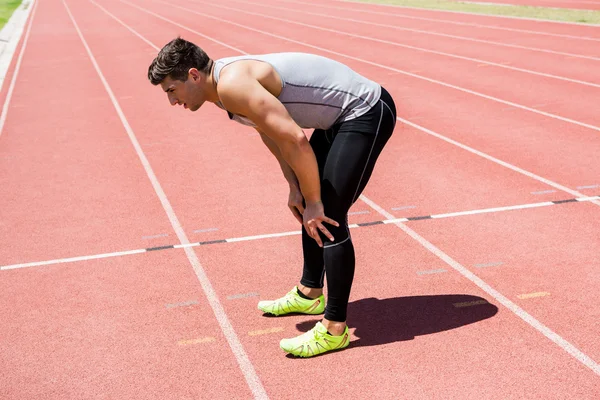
<point x="495" y="160"/>
<point x="432" y="33"/>
<point x="13" y="81"/>
<point x="72" y="259"/>
<point x="242" y="359"/>
<point x="164" y="19"/>
<point x="491" y="210"/>
<point x="590" y="198"/>
<point x="337" y="31"/>
<point x="485" y="96"/>
<point x="543" y="329"/>
<point x="283" y="234"/>
<point x="267" y="236"/>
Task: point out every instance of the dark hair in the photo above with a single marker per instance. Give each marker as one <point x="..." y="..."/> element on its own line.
<point x="175" y="60"/>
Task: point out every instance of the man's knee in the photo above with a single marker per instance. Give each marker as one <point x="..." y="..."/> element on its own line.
<point x="340" y="233"/>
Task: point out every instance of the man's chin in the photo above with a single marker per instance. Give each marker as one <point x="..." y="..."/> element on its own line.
<point x="194" y="108"/>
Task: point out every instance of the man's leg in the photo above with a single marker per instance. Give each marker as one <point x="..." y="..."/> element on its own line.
<point x="350" y="162"/>
<point x="311" y="284"/>
<point x="307" y="297"/>
<point x="349" y="166"/>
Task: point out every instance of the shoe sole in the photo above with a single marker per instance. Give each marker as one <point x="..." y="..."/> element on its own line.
<point x="320" y="354"/>
<point x="291" y="313"/>
<point x="307" y="312"/>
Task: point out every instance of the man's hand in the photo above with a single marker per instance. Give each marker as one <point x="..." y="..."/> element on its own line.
<point x="295" y="202"/>
<point x="314" y="216"/>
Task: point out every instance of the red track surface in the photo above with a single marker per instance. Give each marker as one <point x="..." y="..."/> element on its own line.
<point x="143" y="326"/>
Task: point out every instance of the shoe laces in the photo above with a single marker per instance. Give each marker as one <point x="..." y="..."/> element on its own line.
<point x="310" y="335"/>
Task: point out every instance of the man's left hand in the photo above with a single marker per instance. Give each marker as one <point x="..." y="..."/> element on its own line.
<point x="314" y="217"/>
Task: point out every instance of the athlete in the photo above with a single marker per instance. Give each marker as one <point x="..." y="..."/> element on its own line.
<point x="279" y="95"/>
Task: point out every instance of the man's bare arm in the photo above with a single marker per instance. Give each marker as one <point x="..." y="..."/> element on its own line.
<point x="241" y="94"/>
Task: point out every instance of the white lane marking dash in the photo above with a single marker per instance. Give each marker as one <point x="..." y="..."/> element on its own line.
<point x="155" y="236"/>
<point x="359" y="212"/>
<point x="588" y="187"/>
<point x="403" y="208"/>
<point x="431" y="271"/>
<point x="206" y="230"/>
<point x="242" y="295"/>
<point x="182" y="304"/>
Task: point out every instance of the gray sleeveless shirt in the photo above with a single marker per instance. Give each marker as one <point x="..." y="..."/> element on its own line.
<point x="316" y="91"/>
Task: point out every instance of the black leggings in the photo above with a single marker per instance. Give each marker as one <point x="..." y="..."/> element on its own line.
<point x="346" y="154"/>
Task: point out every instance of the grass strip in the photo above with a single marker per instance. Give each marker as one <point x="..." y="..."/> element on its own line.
<point x="543" y="13"/>
<point x="7" y="7"/>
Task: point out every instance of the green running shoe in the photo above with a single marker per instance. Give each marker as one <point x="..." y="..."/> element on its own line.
<point x="314" y="342"/>
<point x="293" y="303"/>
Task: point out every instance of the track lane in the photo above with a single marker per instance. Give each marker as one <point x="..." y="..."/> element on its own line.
<point x="115" y="328"/>
<point x="406" y="330"/>
<point x="511" y="131"/>
<point x="74" y="140"/>
<point x="499" y="83"/>
<point x="558" y="64"/>
<point x="486" y="25"/>
<point x="545" y="253"/>
<point x="53" y="158"/>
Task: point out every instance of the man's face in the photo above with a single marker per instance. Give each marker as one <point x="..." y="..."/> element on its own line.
<point x="189" y="94"/>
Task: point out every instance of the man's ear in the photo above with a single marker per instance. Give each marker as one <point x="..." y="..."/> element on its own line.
<point x="194" y="74"/>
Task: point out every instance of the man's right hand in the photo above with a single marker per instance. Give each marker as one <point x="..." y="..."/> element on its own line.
<point x="295" y="203"/>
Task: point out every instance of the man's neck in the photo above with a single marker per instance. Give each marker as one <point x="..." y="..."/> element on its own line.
<point x="211" y="86"/>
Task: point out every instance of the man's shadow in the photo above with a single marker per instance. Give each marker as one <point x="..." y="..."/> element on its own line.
<point x="381" y="321"/>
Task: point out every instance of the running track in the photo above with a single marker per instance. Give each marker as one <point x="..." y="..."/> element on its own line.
<point x="496" y="301"/>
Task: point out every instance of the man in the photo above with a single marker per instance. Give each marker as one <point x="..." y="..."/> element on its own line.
<point x="279" y="95"/>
